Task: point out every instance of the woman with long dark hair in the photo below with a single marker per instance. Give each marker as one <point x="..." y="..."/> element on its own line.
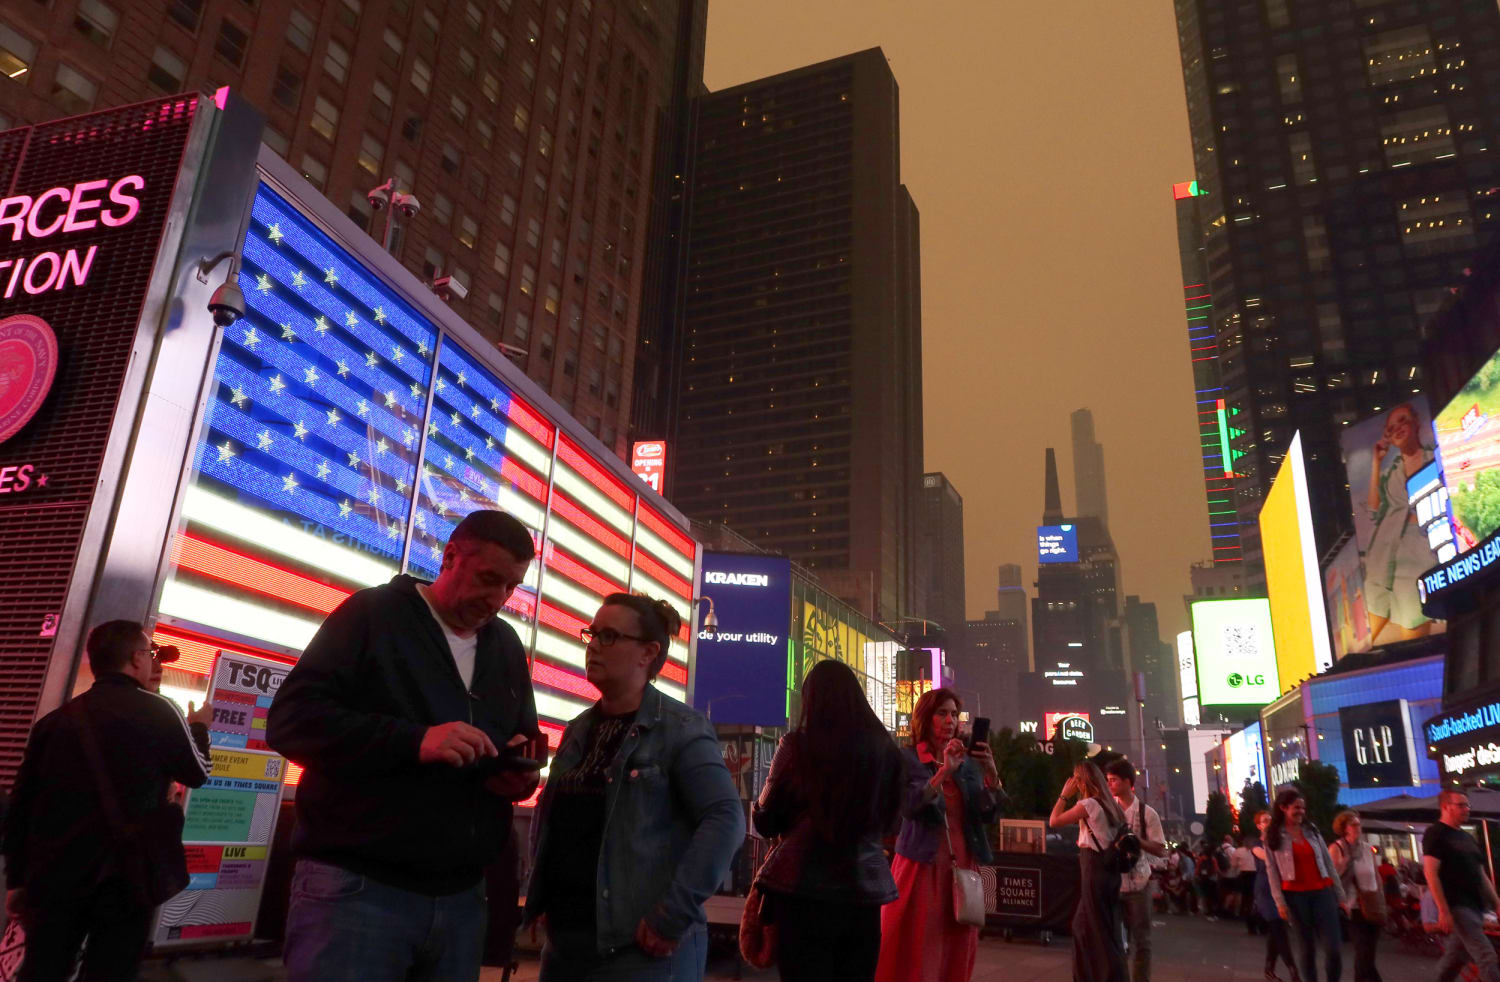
<point x="833" y="794"/>
<point x="951" y="793"/>
<point x="1278" y="944"/>
<point x="1098" y="955"/>
<point x="1305" y="885"/>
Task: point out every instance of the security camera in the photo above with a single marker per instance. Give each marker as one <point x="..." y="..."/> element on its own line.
<point x="227" y="304"/>
<point x="406" y="204"/>
<point x="378" y="198"/>
<point x="448" y="288"/>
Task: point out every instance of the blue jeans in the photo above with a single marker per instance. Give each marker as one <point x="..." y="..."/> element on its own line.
<point x="344" y="927"/>
<point x="572" y="956"/>
<point x="1468" y="943"/>
<point x="1315" y="919"/>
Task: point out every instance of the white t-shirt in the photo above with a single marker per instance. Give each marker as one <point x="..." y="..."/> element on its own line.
<point x="1244" y="860"/>
<point x="463" y="649"/>
<point x="1096" y="831"/>
<point x="1137" y="878"/>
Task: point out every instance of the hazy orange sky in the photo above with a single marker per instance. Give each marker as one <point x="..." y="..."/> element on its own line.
<point x="1040" y="142"/>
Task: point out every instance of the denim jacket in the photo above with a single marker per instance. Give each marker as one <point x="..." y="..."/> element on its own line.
<point x="924" y="813"/>
<point x="1281" y="866"/>
<point x="673" y="822"/>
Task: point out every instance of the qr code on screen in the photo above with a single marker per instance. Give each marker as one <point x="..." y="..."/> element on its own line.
<point x="1241" y="639"/>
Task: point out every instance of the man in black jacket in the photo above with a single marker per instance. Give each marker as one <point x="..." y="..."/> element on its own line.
<point x="66" y="881"/>
<point x="406" y="711"/>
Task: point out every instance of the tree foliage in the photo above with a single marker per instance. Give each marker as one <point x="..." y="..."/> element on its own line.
<point x="1319" y="784"/>
<point x="1218" y="820"/>
<point x="1033" y="778"/>
<point x="1252" y="800"/>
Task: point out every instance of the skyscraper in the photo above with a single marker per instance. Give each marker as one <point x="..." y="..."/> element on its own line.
<point x="1088" y="469"/>
<point x="800" y="417"/>
<point x="1075" y="613"/>
<point x="531" y="133"/>
<point x="1343" y="177"/>
<point x="940" y="554"/>
<point x="1012" y="604"/>
<point x="1151" y="657"/>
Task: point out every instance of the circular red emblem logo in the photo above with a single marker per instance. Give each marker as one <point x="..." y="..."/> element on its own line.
<point x="28" y="364"/>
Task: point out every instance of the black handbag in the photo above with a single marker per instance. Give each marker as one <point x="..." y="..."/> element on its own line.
<point x="148" y="852"/>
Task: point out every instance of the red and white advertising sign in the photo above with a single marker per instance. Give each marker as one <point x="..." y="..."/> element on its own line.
<point x="1050" y="721"/>
<point x="648" y="458"/>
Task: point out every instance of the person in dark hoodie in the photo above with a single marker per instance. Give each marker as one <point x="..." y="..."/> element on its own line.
<point x="408" y="711"/>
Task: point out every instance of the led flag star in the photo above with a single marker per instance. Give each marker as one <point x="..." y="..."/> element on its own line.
<point x="237" y="397"/>
<point x="343" y="368"/>
<point x="263" y="283"/>
<point x="334" y="417"/>
<point x="462" y="378"/>
<point x="373" y="494"/>
<point x="393" y="531"/>
<point x="371" y="359"/>
<point x="382" y="446"/>
<point x="455" y="419"/>
<point x="437" y="551"/>
<point x="401" y="487"/>
<point x="275" y="233"/>
<point x="442" y="509"/>
<point x="416" y="390"/>
<point x="468" y="453"/>
<point x="380" y="315"/>
<point x="330" y="276"/>
<point x="350" y="320"/>
<point x="390" y="399"/>
<point x="226" y="451"/>
<point x="287" y="334"/>
<point x="344" y="508"/>
<point x="353" y="459"/>
<point x="251" y="339"/>
<point x="299" y="280"/>
<point x="441" y="385"/>
<point x="277" y="384"/>
<point x="463" y="494"/>
<point x="322" y="324"/>
<point x="299" y="430"/>
<point x="263" y="440"/>
<point x="409" y="436"/>
<point x="474" y="411"/>
<point x="289" y="484"/>
<point x="324" y="470"/>
<point x="420" y="521"/>
<point x="310" y="375"/>
<point x="432" y="427"/>
<point x="397" y="353"/>
<point x="448" y="463"/>
<point x="489" y="443"/>
<point x="363" y="408"/>
<point x="495" y="405"/>
<point x="422" y="348"/>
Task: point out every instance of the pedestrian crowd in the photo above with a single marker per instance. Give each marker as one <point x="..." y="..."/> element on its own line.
<point x="412" y="714"/>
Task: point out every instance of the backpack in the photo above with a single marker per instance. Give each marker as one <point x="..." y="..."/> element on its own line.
<point x="1124" y="850"/>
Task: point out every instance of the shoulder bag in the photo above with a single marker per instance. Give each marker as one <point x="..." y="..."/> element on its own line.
<point x="147" y="852"/>
<point x="1124" y="849"/>
<point x="968" y="889"/>
<point x="758" y="934"/>
<point x="1371" y="902"/>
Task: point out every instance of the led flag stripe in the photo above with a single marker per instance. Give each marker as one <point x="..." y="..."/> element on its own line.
<point x="307" y="473"/>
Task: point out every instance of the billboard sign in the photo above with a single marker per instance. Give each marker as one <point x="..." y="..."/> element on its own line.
<point x="1057" y="544"/>
<point x="1293" y="580"/>
<point x="742" y="667"/>
<point x="1235" y="652"/>
<point x="1429" y="500"/>
<point x="648" y="458"/>
<point x="1244" y="760"/>
<point x="1344" y="596"/>
<point x="1382" y="455"/>
<point x="1067" y="726"/>
<point x="1468" y="440"/>
<point x="1378" y="747"/>
<point x="1187" y="678"/>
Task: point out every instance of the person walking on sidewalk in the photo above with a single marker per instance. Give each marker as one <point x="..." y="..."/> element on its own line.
<point x="1305" y="885"/>
<point x="1244" y="868"/>
<point x="640" y="818"/>
<point x="1097" y="953"/>
<point x="951" y="794"/>
<point x="1135" y="886"/>
<point x="1278" y="942"/>
<point x="1462" y="893"/>
<point x="403" y="711"/>
<point x="114" y="750"/>
<point x="1355" y="861"/>
<point x="833" y="794"/>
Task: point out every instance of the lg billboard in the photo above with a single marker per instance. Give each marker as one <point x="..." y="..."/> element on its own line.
<point x="1235" y="652"/>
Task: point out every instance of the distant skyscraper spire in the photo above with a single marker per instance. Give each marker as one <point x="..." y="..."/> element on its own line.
<point x="1088" y="469"/>
<point x="1052" y="513"/>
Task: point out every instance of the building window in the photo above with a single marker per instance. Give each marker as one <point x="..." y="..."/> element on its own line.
<point x="72" y="91"/>
<point x="442" y="209"/>
<point x="496" y="307"/>
<point x="458" y="109"/>
<point x="186" y="12"/>
<point x="359" y="210"/>
<point x="553" y="299"/>
<point x="467" y="63"/>
<point x="523" y="328"/>
<point x="522" y="118"/>
<point x="385" y="101"/>
<point x="300" y="31"/>
<point x="1277" y="14"/>
<point x="497" y="41"/>
<point x="1435" y="223"/>
<point x="336" y="62"/>
<point x="508" y="210"/>
<point x="371" y="153"/>
<point x="474" y="16"/>
<point x="544" y="142"/>
<point x="287" y="89"/>
<point x="1400" y="56"/>
<point x="421" y="75"/>
<point x="276" y="140"/>
<point x="1304" y="168"/>
<point x="557" y="251"/>
<point x="502" y="259"/>
<point x="528" y="279"/>
<point x="528" y="73"/>
<point x="1288" y="78"/>
<point x="167" y="72"/>
<point x="490" y="87"/>
<point x="1315" y="241"/>
<point x="314" y="170"/>
<point x="392" y="53"/>
<point x="431" y="26"/>
<point x="325" y="118"/>
<point x="451" y="158"/>
<point x="534" y="233"/>
<point x="231" y="42"/>
<point x="432" y="262"/>
<point x="1417" y="135"/>
<point x="349" y="11"/>
<point x="485" y="132"/>
<point x="468" y="231"/>
<point x="17" y="52"/>
<point x="96" y="21"/>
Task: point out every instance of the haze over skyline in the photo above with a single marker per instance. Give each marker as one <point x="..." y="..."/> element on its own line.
<point x="1040" y="145"/>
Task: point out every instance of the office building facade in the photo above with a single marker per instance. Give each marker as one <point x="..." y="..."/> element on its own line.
<point x="535" y="135"/>
<point x="940" y="554"/>
<point x="1343" y="179"/>
<point x="800" y="404"/>
<point x="1089" y="488"/>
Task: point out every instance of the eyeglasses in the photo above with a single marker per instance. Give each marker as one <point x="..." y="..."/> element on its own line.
<point x="606" y="636"/>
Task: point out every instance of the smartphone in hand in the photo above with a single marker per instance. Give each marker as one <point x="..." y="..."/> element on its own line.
<point x="981" y="732"/>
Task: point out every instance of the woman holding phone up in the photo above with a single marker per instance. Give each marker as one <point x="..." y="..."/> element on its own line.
<point x="1098" y="955"/>
<point x="952" y="793"/>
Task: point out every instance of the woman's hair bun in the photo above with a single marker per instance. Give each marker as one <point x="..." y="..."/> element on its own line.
<point x="669" y="616"/>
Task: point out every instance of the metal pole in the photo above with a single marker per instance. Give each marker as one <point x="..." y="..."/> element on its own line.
<point x="1484" y="825"/>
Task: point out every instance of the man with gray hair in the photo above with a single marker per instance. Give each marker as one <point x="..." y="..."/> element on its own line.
<point x="1455" y="875"/>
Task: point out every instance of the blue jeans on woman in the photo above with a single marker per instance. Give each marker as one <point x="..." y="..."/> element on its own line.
<point x="1315" y="919"/>
<point x="344" y="927"/>
<point x="573" y="956"/>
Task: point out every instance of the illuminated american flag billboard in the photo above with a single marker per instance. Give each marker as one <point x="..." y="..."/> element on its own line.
<point x="344" y="436"/>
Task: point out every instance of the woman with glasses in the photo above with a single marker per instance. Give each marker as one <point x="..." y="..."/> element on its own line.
<point x="639" y="818"/>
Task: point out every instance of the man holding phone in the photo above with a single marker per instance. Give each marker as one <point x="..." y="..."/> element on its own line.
<point x="412" y="713"/>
